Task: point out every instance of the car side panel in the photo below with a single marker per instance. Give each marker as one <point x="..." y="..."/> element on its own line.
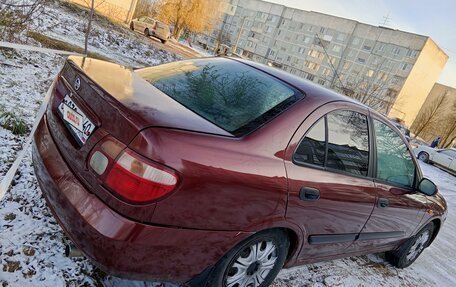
<point x="345" y="202"/>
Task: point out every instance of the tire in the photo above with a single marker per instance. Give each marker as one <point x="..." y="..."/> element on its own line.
<point x="410" y="250"/>
<point x="244" y="266"/>
<point x="146" y="32"/>
<point x="132" y="26"/>
<point x="423" y="156"/>
<point x="163" y="41"/>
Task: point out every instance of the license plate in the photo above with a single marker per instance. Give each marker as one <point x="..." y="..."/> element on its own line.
<point x="75" y="120"/>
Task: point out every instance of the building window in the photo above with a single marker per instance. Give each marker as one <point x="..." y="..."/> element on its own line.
<point x="283" y="49"/>
<point x="412" y="53"/>
<point x="306" y="40"/>
<point x="355" y="41"/>
<point x="321" y="82"/>
<point x="331" y="60"/>
<point x="396" y="51"/>
<point x="310" y="29"/>
<point x="322" y="30"/>
<point x="271" y="53"/>
<point x="288" y="58"/>
<point x="278" y="33"/>
<point x="301" y="50"/>
<point x="382" y="76"/>
<point x="367" y="48"/>
<point x="316" y="54"/>
<point x="406" y="67"/>
<point x="301" y="25"/>
<point x="346" y="66"/>
<point x="311" y="65"/>
<point x="361" y="60"/>
<point x="326" y="71"/>
<point x="370" y="73"/>
<point x="310" y="77"/>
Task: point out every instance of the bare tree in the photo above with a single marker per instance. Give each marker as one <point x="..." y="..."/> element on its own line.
<point x="429" y="115"/>
<point x="449" y="128"/>
<point x="16" y="16"/>
<point x="92" y="5"/>
<point x="191" y="15"/>
<point x="147" y="8"/>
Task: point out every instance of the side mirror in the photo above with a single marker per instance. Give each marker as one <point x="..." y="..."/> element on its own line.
<point x="427" y="187"/>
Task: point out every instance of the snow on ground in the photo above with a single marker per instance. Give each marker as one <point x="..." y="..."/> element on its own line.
<point x="32" y="243"/>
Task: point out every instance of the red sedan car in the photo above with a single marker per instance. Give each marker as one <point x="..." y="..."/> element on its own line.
<point x="219" y="172"/>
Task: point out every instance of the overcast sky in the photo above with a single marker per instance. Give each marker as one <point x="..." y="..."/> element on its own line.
<point x="436" y="19"/>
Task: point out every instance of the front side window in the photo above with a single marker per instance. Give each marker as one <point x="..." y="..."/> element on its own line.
<point x="344" y="146"/>
<point x="394" y="161"/>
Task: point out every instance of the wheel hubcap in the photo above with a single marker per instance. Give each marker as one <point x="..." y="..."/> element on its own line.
<point x="252" y="265"/>
<point x="418" y="246"/>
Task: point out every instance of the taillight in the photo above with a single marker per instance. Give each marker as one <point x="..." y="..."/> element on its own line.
<point x="139" y="180"/>
<point x="130" y="176"/>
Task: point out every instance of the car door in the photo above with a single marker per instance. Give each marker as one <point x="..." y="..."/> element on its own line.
<point x="150" y="24"/>
<point x="331" y="193"/>
<point x="399" y="208"/>
<point x="139" y="24"/>
<point x="444" y="157"/>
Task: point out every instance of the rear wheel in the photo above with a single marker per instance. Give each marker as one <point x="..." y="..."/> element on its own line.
<point x="253" y="263"/>
<point x="146" y="32"/>
<point x="412" y="248"/>
<point x="423" y="156"/>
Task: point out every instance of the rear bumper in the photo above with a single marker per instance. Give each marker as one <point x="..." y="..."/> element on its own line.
<point x="118" y="245"/>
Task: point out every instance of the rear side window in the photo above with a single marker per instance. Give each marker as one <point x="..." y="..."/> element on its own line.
<point x="312" y="148"/>
<point x="348" y="142"/>
<point x="232" y="95"/>
<point x="343" y="146"/>
<point x="394" y="161"/>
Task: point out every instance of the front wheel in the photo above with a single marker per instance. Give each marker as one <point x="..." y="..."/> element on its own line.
<point x="423" y="156"/>
<point x="254" y="262"/>
<point x="412" y="248"/>
<point x="146" y="32"/>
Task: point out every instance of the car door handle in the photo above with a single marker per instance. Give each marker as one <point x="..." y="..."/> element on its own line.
<point x="309" y="194"/>
<point x="383" y="202"/>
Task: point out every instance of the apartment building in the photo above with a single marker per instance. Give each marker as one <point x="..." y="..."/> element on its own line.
<point x="390" y="70"/>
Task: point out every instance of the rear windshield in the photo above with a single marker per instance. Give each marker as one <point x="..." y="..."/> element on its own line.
<point x="232" y="95"/>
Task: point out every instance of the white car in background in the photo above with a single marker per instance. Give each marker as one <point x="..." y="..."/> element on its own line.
<point x="151" y="27"/>
<point x="444" y="158"/>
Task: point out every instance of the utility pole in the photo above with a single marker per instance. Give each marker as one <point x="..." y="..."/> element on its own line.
<point x="131" y="11"/>
<point x="239" y="34"/>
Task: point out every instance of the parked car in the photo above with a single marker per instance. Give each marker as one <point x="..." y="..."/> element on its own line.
<point x="151" y="27"/>
<point x="416" y="142"/>
<point x="404" y="130"/>
<point x="221" y="171"/>
<point x="444" y="158"/>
